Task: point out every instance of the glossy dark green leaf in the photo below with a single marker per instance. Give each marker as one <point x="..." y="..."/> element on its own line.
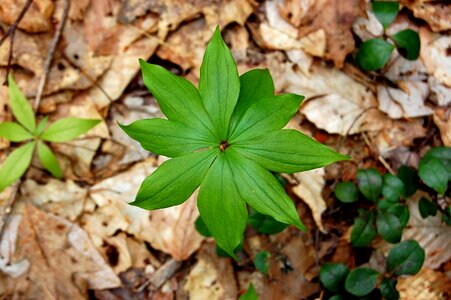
<point x="174" y="181"/>
<point x="266" y="115"/>
<point x="254" y="85"/>
<point x="393" y="188"/>
<point x="443" y="154"/>
<point x="261" y="190"/>
<point x="261" y="261"/>
<point x="265" y="224"/>
<point x="389" y="226"/>
<point x="299" y="152"/>
<point x="385" y="204"/>
<point x="219" y="83"/>
<point x="178" y="98"/>
<point x="427" y="208"/>
<point x="20" y="106"/>
<point x="374" y="54"/>
<point x="250" y="294"/>
<point x="201" y="227"/>
<point x="405" y="258"/>
<point x="221" y="206"/>
<point x="347" y="192"/>
<point x="446" y="215"/>
<point x="388" y="289"/>
<point x="68" y="129"/>
<point x="333" y="276"/>
<point x="168" y="138"/>
<point x="409" y="176"/>
<point x="434" y="174"/>
<point x="408" y="43"/>
<point x="364" y="229"/>
<point x="401" y="211"/>
<point x="48" y="160"/>
<point x="14" y="132"/>
<point x="385" y="11"/>
<point x="337" y="297"/>
<point x="15" y="165"/>
<point x="361" y="281"/>
<point x="370" y="183"/>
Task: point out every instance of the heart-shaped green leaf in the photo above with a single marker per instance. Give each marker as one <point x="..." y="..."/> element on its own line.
<point x="405" y="258"/>
<point x="385" y="11"/>
<point x="374" y="54"/>
<point x="408" y="43"/>
<point x="361" y="281"/>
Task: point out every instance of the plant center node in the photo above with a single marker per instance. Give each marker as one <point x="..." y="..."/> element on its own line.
<point x="223" y="145"/>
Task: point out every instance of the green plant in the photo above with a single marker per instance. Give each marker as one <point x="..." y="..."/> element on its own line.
<point x="250" y="294"/>
<point x="374" y="53"/>
<point x="225" y="137"/>
<point x="405" y="258"/>
<point x="26" y="130"/>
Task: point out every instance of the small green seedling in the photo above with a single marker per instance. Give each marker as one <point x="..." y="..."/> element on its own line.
<point x="250" y="294"/>
<point x="224" y="136"/>
<point x="405" y="258"/>
<point x="34" y="136"/>
<point x="374" y="53"/>
<point x="261" y="261"/>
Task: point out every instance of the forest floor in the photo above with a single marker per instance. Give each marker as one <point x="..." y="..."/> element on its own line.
<point x="78" y="238"/>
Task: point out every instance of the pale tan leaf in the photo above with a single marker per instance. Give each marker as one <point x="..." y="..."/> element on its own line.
<point x="426" y="285"/>
<point x="434" y="54"/>
<point x="435" y="13"/>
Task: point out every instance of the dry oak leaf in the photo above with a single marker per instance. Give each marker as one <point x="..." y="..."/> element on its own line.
<point x="37" y="18"/>
<point x="435" y="13"/>
<point x="211" y="277"/>
<point x="435" y="56"/>
<point x="49" y="242"/>
<point x="335" y="18"/>
<point x="334" y="101"/>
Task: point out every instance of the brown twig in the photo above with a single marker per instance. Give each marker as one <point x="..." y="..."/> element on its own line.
<point x="11" y="34"/>
<point x="50" y="53"/>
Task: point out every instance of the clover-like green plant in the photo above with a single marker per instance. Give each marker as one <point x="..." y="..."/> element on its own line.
<point x="225" y="137"/>
<point x="25" y="130"/>
<point x="374" y="53"/>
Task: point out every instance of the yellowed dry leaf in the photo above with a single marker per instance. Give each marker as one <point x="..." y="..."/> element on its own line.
<point x="211" y="277"/>
<point x="38" y="15"/>
<point x="311" y="184"/>
<point x="435" y="13"/>
<point x="426" y="285"/>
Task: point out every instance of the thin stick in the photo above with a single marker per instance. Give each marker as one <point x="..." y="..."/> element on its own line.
<point x="11" y="34"/>
<point x="50" y="54"/>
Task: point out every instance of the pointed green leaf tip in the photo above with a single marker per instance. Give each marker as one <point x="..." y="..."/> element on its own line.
<point x="224" y="138"/>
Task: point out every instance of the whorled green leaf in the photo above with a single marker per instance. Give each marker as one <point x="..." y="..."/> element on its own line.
<point x="388" y="289"/>
<point x="168" y="138"/>
<point x="265" y="224"/>
<point x="389" y="226"/>
<point x="405" y="258"/>
<point x="385" y="11"/>
<point x="261" y="261"/>
<point x="250" y="294"/>
<point x="346" y="192"/>
<point x="299" y="152"/>
<point x="221" y="206"/>
<point x="408" y="43"/>
<point x="364" y="229"/>
<point x="15" y="165"/>
<point x="393" y="188"/>
<point x="374" y="54"/>
<point x="41" y="125"/>
<point x="333" y="276"/>
<point x="67" y="129"/>
<point x="434" y="174"/>
<point x="427" y="208"/>
<point x="261" y="190"/>
<point x="370" y="183"/>
<point x="14" y="132"/>
<point x="48" y="160"/>
<point x="266" y="115"/>
<point x="409" y="177"/>
<point x="178" y="98"/>
<point x="361" y="281"/>
<point x="20" y="106"/>
<point x="174" y="181"/>
<point x="255" y="85"/>
<point x="219" y="83"/>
